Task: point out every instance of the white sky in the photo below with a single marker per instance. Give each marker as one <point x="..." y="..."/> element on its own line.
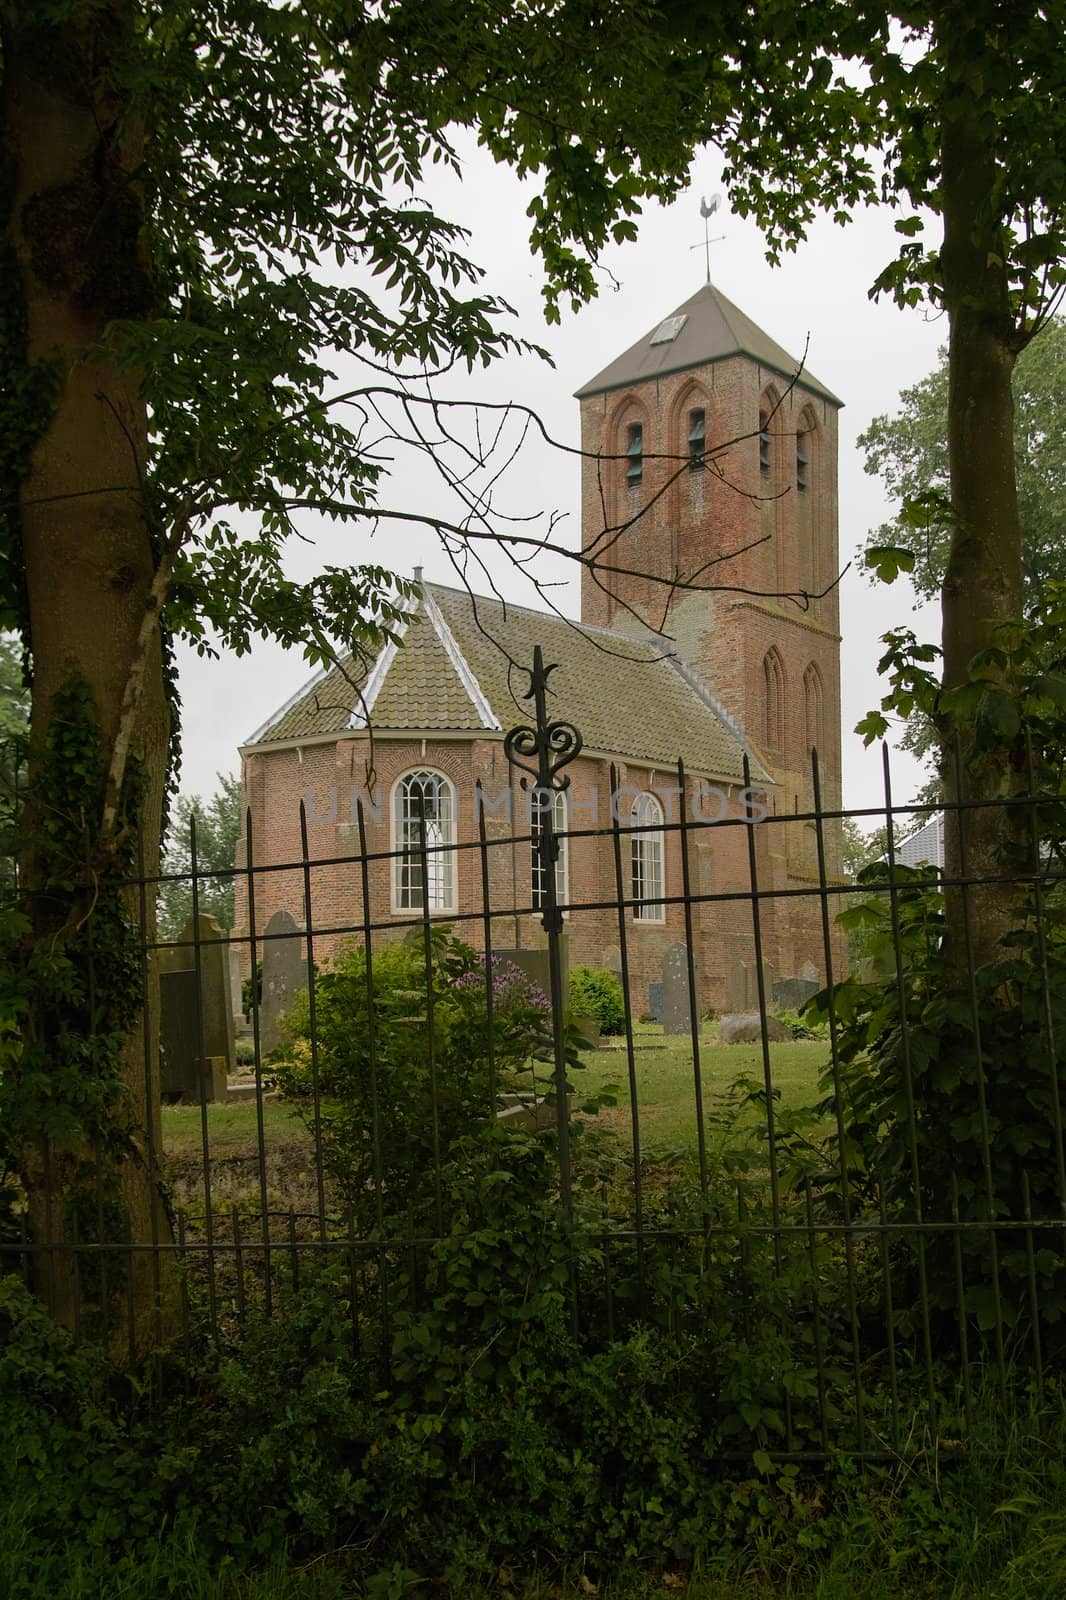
<point x="865" y="352"/>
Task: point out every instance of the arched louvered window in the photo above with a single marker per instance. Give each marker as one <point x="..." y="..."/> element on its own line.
<point x="634" y="453"/>
<point x="697" y="439"/>
<point x="765" y="444"/>
<point x="646" y="859"/>
<point x="423" y="840"/>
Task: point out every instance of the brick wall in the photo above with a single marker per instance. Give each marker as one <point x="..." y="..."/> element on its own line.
<point x="331" y="777"/>
<point x="766" y="547"/>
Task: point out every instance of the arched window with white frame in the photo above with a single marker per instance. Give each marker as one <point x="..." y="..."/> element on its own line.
<point x="646" y="859"/>
<point x="538" y="873"/>
<point x="423" y="826"/>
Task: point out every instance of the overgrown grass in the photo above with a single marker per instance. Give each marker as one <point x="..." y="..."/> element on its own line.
<point x="169" y="1566"/>
<point x="988" y="1528"/>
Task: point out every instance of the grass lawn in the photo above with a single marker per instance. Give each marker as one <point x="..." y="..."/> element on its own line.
<point x="665" y="1081"/>
<point x="665" y="1096"/>
<point x="231" y="1130"/>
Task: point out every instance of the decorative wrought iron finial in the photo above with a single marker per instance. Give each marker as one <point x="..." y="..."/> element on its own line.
<point x="553" y="744"/>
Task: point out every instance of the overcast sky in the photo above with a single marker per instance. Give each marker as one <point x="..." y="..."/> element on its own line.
<point x="865" y="352"/>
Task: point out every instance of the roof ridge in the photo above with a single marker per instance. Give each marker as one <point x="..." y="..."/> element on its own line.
<point x="304" y="689"/>
<point x="361" y="711"/>
<point x="463" y="670"/>
<point x="546" y="616"/>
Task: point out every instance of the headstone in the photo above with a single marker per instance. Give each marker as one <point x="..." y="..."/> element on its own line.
<point x="677" y="1007"/>
<point x="792" y="994"/>
<point x="236" y="984"/>
<point x="536" y="965"/>
<point x="284" y="975"/>
<point x="655" y="1001"/>
<point x="745" y="1028"/>
<point x="737" y="988"/>
<point x="809" y="972"/>
<point x="196" y="1014"/>
<point x="612" y="960"/>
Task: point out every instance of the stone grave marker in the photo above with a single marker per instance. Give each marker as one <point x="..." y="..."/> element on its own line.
<point x="809" y="972"/>
<point x="196" y="1014"/>
<point x="236" y="981"/>
<point x="677" y="1010"/>
<point x="791" y="994"/>
<point x="746" y="1028"/>
<point x="655" y="1001"/>
<point x="536" y="966"/>
<point x="284" y="975"/>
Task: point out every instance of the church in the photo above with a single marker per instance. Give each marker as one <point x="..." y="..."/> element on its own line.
<point x="708" y="634"/>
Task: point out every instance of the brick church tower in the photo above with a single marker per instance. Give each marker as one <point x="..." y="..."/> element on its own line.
<point x="708" y="460"/>
<point x="711" y="459"/>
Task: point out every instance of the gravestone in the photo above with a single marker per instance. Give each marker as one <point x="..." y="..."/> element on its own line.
<point x="677" y="1007"/>
<point x="655" y="1001"/>
<point x="745" y="1028"/>
<point x="612" y="960"/>
<point x="284" y="975"/>
<point x="537" y="967"/>
<point x="236" y="981"/>
<point x="809" y="972"/>
<point x="196" y="1014"/>
<point x="792" y="994"/>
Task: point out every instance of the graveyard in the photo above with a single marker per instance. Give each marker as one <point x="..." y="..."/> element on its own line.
<point x="664" y="1092"/>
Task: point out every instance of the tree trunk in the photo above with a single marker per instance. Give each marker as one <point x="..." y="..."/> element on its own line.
<point x="983" y="582"/>
<point x="74" y="231"/>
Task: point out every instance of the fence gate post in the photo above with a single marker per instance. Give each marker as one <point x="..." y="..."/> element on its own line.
<point x="553" y="745"/>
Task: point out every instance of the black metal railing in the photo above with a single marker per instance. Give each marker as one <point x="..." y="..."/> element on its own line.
<point x="865" y="1206"/>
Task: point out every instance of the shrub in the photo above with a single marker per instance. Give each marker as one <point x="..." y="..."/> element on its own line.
<point x="804" y="1026"/>
<point x="955" y="1080"/>
<point x="410" y="1058"/>
<point x="595" y="992"/>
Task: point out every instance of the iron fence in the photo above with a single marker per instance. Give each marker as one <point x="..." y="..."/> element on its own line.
<point x="858" y="1215"/>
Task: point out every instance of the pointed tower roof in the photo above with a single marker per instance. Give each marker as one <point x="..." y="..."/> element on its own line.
<point x="707" y="328"/>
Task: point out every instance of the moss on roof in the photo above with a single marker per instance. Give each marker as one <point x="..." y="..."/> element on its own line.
<point x="627" y="697"/>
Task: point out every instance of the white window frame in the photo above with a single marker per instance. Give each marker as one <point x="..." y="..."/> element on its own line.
<point x="647" y="860"/>
<point x="560" y="822"/>
<point x="407" y="900"/>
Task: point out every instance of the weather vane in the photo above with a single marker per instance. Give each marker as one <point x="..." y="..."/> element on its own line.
<point x="707" y="211"/>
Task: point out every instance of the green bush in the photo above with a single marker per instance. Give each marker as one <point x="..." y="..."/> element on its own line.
<point x="596" y="993"/>
<point x="410" y="1057"/>
<point x="803" y="1025"/>
<point x="950" y="1086"/>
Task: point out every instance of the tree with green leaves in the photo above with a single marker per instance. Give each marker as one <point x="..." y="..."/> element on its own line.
<point x="908" y="451"/>
<point x="959" y="111"/>
<point x="218" y="822"/>
<point x="205" y="208"/>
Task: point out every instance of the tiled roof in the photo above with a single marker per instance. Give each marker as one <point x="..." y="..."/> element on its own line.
<point x="459" y="668"/>
<point x="712" y="328"/>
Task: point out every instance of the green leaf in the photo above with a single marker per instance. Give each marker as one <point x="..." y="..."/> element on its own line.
<point x="873" y="726"/>
<point x="887" y="561"/>
<point x="998" y="717"/>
